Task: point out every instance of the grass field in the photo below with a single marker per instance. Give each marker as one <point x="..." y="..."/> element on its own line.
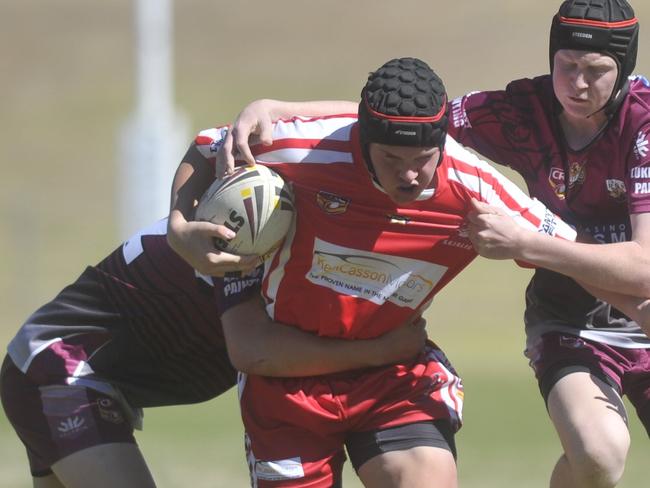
<point x="67" y="86"/>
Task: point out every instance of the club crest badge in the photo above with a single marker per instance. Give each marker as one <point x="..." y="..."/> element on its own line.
<point x="332" y="204"/>
<point x="616" y="189"/>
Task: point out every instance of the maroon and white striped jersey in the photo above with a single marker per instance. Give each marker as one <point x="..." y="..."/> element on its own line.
<point x="356" y="264"/>
<point x="140" y="324"/>
<point x="594" y="189"/>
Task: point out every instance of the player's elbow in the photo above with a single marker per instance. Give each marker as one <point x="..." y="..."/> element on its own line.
<point x="641" y="282"/>
<point x="644" y="292"/>
<point x="240" y="353"/>
<point x="248" y="349"/>
<point x="641" y="267"/>
<point x="249" y="361"/>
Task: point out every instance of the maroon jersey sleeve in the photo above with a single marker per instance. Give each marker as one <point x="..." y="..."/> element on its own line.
<point x="235" y="288"/>
<point x="509" y="127"/>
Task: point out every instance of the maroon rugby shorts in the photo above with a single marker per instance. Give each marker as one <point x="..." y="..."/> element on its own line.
<point x="556" y="355"/>
<point x="54" y="421"/>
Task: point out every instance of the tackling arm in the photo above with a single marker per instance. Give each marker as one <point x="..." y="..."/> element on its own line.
<point x="258" y="345"/>
<point x="622" y="267"/>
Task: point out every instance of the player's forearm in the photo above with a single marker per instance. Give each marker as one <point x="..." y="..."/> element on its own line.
<point x="638" y="309"/>
<point x="622" y="267"/>
<point x="268" y="348"/>
<point x="288" y="352"/>
<point x="258" y="345"/>
<point x="192" y="178"/>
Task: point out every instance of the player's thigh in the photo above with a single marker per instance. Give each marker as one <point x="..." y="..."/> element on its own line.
<point x="417" y="467"/>
<point x="105" y="466"/>
<point x="589" y="416"/>
<point x="409" y="455"/>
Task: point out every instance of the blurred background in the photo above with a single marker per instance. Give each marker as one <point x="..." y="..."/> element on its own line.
<point x="67" y="87"/>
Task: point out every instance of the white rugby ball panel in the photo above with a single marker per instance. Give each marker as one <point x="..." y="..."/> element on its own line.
<point x="254" y="202"/>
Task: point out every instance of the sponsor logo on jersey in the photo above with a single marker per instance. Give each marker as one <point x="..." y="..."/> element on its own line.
<point x="616" y="189"/>
<point x="641" y="188"/>
<point x="376" y="277"/>
<point x="282" y="469"/>
<point x="641" y="145"/>
<point x="233" y="285"/>
<point x="332" y="204"/>
<point x="549" y="223"/>
<point x="640" y="173"/>
<point x="608" y="233"/>
<point x="458" y="114"/>
<point x="460" y="240"/>
<point x="71" y="426"/>
<point x="577" y="175"/>
<point x="556" y="179"/>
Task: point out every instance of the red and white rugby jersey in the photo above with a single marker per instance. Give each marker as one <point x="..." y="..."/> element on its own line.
<point x="357" y="265"/>
<point x="596" y="189"/>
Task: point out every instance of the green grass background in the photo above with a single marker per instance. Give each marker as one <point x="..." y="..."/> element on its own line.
<point x="66" y="86"/>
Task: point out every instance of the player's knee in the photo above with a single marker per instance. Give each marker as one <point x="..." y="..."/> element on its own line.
<point x="602" y="465"/>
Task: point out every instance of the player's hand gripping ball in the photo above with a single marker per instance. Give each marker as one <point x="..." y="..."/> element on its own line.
<point x="255" y="203"/>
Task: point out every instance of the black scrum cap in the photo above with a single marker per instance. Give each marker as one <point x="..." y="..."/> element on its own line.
<point x="606" y="26"/>
<point x="404" y="103"/>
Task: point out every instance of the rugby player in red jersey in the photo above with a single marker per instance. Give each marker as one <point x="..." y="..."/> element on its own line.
<point x="579" y="138"/>
<point x="381" y="226"/>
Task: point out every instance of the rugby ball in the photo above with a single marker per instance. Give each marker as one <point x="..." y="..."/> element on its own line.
<point x="255" y="203"/>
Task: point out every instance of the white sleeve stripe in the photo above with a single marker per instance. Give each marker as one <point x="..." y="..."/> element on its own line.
<point x="212" y="135"/>
<point x="27" y="362"/>
<point x="489" y="195"/>
<point x="548" y="222"/>
<point x="305" y="156"/>
<point x="460" y="153"/>
<point x="337" y="129"/>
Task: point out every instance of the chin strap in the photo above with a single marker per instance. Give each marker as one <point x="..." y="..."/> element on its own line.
<point x="614" y="102"/>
